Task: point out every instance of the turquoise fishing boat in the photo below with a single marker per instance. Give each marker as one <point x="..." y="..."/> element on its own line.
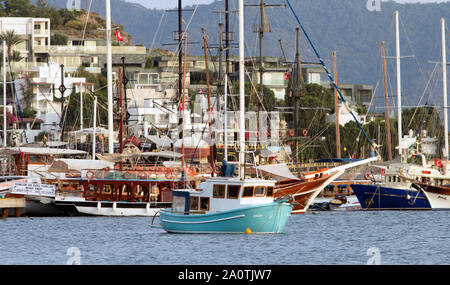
<point x="227" y="205"/>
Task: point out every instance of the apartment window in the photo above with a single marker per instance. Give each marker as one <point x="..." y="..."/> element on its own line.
<point x="37" y="27"/>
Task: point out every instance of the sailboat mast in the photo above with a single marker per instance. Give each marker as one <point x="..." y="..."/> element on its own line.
<point x="241" y="90"/>
<point x="94" y="128"/>
<point x="211" y="151"/>
<point x="109" y="77"/>
<point x="399" y="87"/>
<point x="225" y="119"/>
<point x="4" y="94"/>
<point x="183" y="104"/>
<point x="444" y="87"/>
<point x="336" y="110"/>
<point x="386" y="101"/>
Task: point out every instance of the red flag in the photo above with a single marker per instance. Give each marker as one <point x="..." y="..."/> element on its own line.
<point x="286" y="76"/>
<point x="119" y="36"/>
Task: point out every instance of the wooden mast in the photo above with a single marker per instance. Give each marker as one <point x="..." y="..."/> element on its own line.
<point x="386" y="101"/>
<point x="120" y="115"/>
<point x="336" y="110"/>
<point x="211" y="151"/>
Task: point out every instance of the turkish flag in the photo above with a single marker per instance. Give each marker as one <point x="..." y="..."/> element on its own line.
<point x="286" y="76"/>
<point x="119" y="36"/>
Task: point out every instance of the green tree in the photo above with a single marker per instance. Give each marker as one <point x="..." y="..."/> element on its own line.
<point x="18" y="8"/>
<point x="58" y="39"/>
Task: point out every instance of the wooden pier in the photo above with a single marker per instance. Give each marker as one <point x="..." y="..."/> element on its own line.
<point x="11" y="205"/>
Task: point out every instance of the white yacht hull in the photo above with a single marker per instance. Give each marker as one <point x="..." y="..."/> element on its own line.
<point x="113" y="209"/>
<point x="438" y="201"/>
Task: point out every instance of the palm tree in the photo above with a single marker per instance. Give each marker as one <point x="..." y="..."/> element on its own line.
<point x="11" y="40"/>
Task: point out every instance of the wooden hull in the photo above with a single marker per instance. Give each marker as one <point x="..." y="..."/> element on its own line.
<point x="303" y="192"/>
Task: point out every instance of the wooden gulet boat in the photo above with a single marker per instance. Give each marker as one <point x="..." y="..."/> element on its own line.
<point x="303" y="192"/>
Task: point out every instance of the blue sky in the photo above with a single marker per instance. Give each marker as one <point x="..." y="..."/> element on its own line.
<point x="173" y="3"/>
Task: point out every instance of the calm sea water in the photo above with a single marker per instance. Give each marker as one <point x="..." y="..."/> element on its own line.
<point x="344" y="238"/>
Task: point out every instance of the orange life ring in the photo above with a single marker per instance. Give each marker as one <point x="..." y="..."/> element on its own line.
<point x="169" y="175"/>
<point x="189" y="171"/>
<point x="438" y="163"/>
<point x="304" y="132"/>
<point x="208" y="169"/>
<point x="90" y="174"/>
<point x="291" y="133"/>
<point x="367" y="176"/>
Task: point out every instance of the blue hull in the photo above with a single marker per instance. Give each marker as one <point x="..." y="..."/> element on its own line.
<point x="387" y="198"/>
<point x="267" y="218"/>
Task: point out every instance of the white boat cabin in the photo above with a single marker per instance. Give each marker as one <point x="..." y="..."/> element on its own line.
<point x="221" y="194"/>
<point x="396" y="173"/>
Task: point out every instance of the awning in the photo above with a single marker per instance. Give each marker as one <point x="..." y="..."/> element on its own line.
<point x="56" y="144"/>
<point x="79" y="164"/>
<point x="338" y="160"/>
<point x="277" y="170"/>
<point x="40" y="151"/>
<point x="117" y="157"/>
<point x="162" y="141"/>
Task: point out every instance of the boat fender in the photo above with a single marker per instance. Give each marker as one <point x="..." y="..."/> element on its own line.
<point x="248" y="231"/>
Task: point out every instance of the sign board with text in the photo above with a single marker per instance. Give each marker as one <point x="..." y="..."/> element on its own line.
<point x="33" y="189"/>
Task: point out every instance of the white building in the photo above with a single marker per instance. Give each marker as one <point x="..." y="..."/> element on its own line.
<point x="46" y="86"/>
<point x="34" y="31"/>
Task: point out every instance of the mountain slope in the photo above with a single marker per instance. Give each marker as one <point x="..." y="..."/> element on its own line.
<point x="345" y="26"/>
